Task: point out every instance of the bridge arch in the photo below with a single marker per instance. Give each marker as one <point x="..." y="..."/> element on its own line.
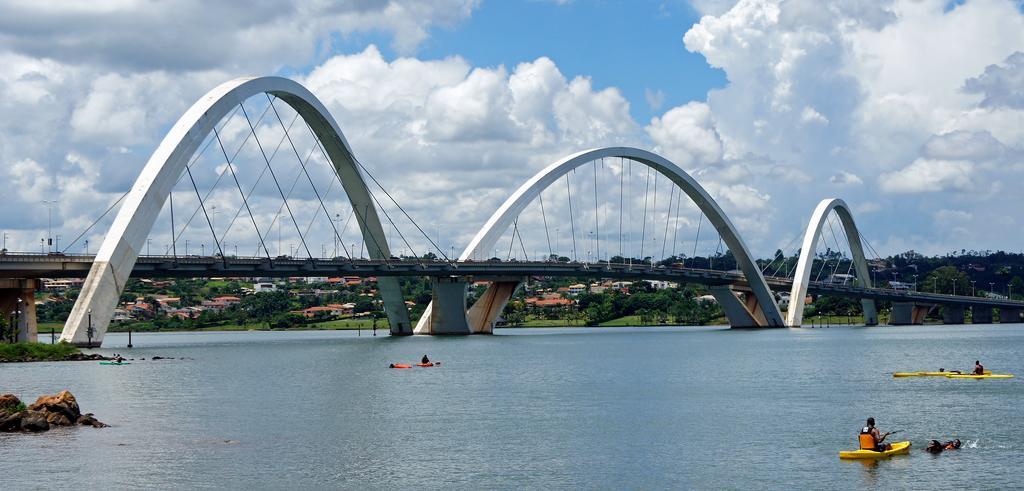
<point x="765" y="311"/>
<point x="802" y="278"/>
<point x="127" y="235"/>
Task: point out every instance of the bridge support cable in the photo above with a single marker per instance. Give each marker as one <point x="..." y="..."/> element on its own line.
<point x="572" y="222"/>
<point x="302" y="164"/>
<point x="174" y="249"/>
<point x="643" y="226"/>
<point x="675" y="226"/>
<point x="259" y="178"/>
<point x="696" y="240"/>
<point x="544" y="216"/>
<point x="629" y="212"/>
<point x="220" y="175"/>
<point x="94" y="222"/>
<point x="401" y="209"/>
<point x="622" y="181"/>
<point x="276" y="183"/>
<point x="668" y="219"/>
<point x="245" y="202"/>
<point x="597" y="216"/>
<point x="838" y="246"/>
<point x="291" y="189"/>
<point x="205" y="214"/>
<point x="654" y="217"/>
<point x="339" y="237"/>
<point x="711" y="264"/>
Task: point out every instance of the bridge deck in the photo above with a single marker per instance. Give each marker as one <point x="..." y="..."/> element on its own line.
<point x="77" y="266"/>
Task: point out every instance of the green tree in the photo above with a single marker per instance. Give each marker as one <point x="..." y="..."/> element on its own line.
<point x="948" y="280"/>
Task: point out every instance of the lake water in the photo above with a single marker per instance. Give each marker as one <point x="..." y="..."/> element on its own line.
<point x="625" y="408"/>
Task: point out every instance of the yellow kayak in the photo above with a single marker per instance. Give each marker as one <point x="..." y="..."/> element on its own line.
<point x="898" y="448"/>
<point x="987" y="375"/>
<point x="930" y="374"/>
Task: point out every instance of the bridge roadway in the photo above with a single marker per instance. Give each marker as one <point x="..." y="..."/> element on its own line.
<point x="24" y="265"/>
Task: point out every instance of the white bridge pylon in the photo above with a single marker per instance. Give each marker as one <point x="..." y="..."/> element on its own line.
<point x="802" y="278"/>
<point x="127" y="235"/>
<point x="760" y="310"/>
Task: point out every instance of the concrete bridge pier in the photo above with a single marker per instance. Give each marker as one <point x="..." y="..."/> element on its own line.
<point x="741" y="313"/>
<point x="907" y="313"/>
<point x="448" y="315"/>
<point x="1009" y="316"/>
<point x="485" y="311"/>
<point x="11" y="291"/>
<point x="953" y="314"/>
<point x="981" y="315"/>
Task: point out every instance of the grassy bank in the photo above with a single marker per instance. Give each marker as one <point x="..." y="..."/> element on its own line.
<point x="337" y="324"/>
<point x="36" y="352"/>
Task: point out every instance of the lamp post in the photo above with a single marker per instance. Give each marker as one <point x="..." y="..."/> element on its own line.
<point x="88" y="330"/>
<point x="973" y="290"/>
<point x="991" y="285"/>
<point x="17" y="321"/>
<point x="915" y="282"/>
<point x="49" y="219"/>
<point x="10" y="336"/>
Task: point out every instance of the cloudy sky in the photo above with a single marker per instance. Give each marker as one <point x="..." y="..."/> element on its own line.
<point x="911" y="110"/>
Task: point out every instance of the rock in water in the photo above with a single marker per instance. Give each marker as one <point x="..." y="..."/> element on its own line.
<point x="57" y="419"/>
<point x="9" y="403"/>
<point x="11" y="422"/>
<point x="63" y="403"/>
<point x="88" y="420"/>
<point x="34" y="421"/>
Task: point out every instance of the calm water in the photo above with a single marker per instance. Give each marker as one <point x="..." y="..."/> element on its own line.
<point x="582" y="408"/>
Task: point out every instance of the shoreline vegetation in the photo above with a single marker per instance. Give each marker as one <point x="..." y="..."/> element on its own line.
<point x="382" y="325"/>
<point x="24" y="352"/>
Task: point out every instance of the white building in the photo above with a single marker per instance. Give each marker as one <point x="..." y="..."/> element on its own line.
<point x="264" y="287"/>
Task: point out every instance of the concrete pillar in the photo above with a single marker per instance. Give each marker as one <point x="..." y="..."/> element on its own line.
<point x="488" y="307"/>
<point x="448" y="315"/>
<point x="12" y="290"/>
<point x="907" y="313"/>
<point x="735" y="310"/>
<point x="870" y="312"/>
<point x="981" y="314"/>
<point x="1009" y="316"/>
<point x="953" y="314"/>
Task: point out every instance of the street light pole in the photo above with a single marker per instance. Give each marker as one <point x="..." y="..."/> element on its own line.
<point x="973" y="290"/>
<point x="88" y="331"/>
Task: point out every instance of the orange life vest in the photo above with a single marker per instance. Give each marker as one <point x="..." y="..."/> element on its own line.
<point x="867" y="440"/>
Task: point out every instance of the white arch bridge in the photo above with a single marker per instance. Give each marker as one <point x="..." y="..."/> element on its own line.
<point x="747" y="294"/>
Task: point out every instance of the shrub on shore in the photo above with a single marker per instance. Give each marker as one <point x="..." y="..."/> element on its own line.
<point x="36" y="352"/>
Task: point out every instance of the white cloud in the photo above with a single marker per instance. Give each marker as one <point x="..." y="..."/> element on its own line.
<point x="687" y="136"/>
<point x="917" y="96"/>
<point x="925" y="175"/>
<point x="844" y="178"/>
<point x="655" y="98"/>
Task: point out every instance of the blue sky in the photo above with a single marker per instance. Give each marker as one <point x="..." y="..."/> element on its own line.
<point x="631" y="45"/>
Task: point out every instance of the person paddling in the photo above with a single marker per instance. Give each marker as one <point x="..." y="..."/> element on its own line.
<point x="978" y="369"/>
<point x="871" y="439"/>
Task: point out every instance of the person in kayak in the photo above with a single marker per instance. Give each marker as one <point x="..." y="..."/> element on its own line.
<point x="425" y="360"/>
<point x="871" y="439"/>
<point x="978" y="369"/>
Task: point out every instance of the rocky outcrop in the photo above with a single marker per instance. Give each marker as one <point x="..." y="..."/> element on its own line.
<point x="9" y="403"/>
<point x="60" y="409"/>
<point x="63" y="403"/>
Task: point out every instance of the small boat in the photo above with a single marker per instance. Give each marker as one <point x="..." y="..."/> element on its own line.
<point x="114" y="363"/>
<point x="898" y="448"/>
<point x="979" y="377"/>
<point x="931" y="374"/>
<point x="400" y="365"/>
<point x="424" y="364"/>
